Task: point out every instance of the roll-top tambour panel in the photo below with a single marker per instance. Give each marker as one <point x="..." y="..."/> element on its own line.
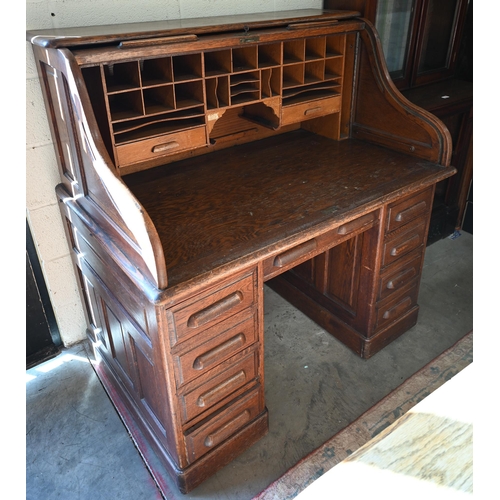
<point x="212" y="307"/>
<point x="402" y="212"/>
<point x="217" y="347"/>
<point x="223" y="425"/>
<point x="405" y="242"/>
<point x="216" y="389"/>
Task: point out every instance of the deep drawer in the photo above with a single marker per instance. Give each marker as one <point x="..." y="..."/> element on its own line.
<point x="222" y="426"/>
<point x="218" y="347"/>
<point x="401" y="244"/>
<point x="212" y="307"/>
<point x="400" y="274"/>
<point x="397" y="306"/>
<point x="402" y="212"/>
<point x="161" y="146"/>
<point x="214" y="390"/>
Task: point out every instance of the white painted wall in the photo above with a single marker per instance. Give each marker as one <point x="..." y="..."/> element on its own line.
<point x="42" y="175"/>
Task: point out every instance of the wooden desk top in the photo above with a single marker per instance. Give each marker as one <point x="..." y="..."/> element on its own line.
<point x="250" y="200"/>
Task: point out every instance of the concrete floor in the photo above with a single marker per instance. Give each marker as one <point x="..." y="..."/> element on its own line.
<point x="77" y="447"/>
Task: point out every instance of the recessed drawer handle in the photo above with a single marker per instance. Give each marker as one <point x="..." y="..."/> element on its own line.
<point x="310" y="111"/>
<point x="401" y="306"/>
<point x="402" y="278"/>
<point x="210" y="357"/>
<point x="356" y="224"/>
<point x="289" y="256"/>
<point x="160" y="148"/>
<point x="406" y="246"/>
<point x="215" y="310"/>
<point x="129" y="44"/>
<point x="226" y="430"/>
<point x="409" y="213"/>
<point x="219" y="391"/>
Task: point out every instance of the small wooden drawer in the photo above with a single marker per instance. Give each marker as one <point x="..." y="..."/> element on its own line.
<point x="402" y="243"/>
<point x="212" y="307"/>
<point x="223" y="425"/>
<point x="397" y="306"/>
<point x="163" y="145"/>
<point x="397" y="276"/>
<point x="310" y="109"/>
<point x="203" y="397"/>
<point x="402" y="212"/>
<point x="199" y="359"/>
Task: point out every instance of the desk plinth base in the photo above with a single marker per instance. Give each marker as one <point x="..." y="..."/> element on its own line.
<point x="155" y="457"/>
<point x="364" y="346"/>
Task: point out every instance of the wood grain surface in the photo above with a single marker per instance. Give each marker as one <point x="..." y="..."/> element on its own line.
<point x="213" y="209"/>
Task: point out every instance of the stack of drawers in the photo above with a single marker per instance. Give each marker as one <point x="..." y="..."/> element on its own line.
<point x="215" y="345"/>
<point x="402" y="257"/>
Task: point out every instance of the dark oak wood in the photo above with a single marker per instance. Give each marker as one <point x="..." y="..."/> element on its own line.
<point x="196" y="164"/>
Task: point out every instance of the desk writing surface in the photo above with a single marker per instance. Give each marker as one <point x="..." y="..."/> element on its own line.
<point x="212" y="209"/>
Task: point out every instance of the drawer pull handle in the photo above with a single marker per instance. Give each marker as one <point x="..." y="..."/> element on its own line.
<point x="210" y="357"/>
<point x="409" y="213"/>
<point x="226" y="430"/>
<point x="215" y="310"/>
<point x="291" y="255"/>
<point x="219" y="391"/>
<point x="160" y="148"/>
<point x="401" y="306"/>
<point x="130" y="44"/>
<point x="402" y="278"/>
<point x="356" y="224"/>
<point x="406" y="246"/>
<point x="310" y="111"/>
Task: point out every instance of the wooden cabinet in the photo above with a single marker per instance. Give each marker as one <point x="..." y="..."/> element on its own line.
<point x="428" y="50"/>
<point x="198" y="163"/>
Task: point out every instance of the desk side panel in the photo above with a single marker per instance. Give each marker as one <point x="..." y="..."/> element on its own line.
<point x="383" y="116"/>
<point x="86" y="171"/>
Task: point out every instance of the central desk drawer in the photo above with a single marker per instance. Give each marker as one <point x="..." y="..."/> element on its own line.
<point x="214" y="306"/>
<point x="203" y="397"/>
<point x="298" y="254"/>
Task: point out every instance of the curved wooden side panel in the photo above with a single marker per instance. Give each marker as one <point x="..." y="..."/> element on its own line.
<point x="86" y="170"/>
<point x="383" y="116"/>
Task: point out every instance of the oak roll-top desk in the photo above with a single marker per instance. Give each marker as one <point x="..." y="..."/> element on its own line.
<point x="202" y="158"/>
